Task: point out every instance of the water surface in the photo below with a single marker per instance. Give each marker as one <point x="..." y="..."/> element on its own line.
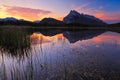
<point x="70" y="55"/>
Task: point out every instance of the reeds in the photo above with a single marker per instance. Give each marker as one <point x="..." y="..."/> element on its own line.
<point x="14" y="41"/>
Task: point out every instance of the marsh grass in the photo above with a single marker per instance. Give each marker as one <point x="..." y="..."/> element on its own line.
<point x="14" y="41"/>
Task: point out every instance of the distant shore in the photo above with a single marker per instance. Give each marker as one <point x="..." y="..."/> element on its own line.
<point x="73" y="28"/>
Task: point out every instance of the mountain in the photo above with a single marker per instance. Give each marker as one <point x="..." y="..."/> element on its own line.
<point x="115" y="25"/>
<point x="8" y="19"/>
<point x="0" y="19"/>
<point x="14" y="21"/>
<point x="51" y="21"/>
<point x="76" y="18"/>
<point x="37" y="21"/>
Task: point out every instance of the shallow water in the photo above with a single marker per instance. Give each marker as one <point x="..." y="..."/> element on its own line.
<point x="81" y="55"/>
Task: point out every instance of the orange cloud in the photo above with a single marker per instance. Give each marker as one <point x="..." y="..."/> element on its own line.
<point x="108" y="16"/>
<point x="61" y="17"/>
<point x="25" y="13"/>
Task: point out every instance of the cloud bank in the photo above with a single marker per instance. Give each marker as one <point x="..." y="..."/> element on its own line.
<point x="23" y="12"/>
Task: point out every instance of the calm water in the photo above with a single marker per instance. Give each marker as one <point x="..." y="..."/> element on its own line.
<point x="81" y="55"/>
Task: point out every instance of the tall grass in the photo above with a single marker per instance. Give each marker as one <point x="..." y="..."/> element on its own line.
<point x="13" y="40"/>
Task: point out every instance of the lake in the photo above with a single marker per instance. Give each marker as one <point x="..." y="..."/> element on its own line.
<point x="59" y="55"/>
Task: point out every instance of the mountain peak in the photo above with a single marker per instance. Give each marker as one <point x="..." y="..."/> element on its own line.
<point x="73" y="12"/>
<point x="75" y="17"/>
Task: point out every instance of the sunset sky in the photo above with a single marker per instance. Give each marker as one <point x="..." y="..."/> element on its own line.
<point x="107" y="10"/>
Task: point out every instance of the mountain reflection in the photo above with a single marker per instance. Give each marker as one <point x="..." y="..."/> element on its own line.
<point x="71" y="36"/>
<point x="81" y="35"/>
<point x="17" y="42"/>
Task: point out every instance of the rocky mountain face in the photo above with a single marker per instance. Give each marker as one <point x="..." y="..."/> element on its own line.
<point x="76" y="18"/>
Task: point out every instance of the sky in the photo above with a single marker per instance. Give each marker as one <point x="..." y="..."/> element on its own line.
<point x="107" y="10"/>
